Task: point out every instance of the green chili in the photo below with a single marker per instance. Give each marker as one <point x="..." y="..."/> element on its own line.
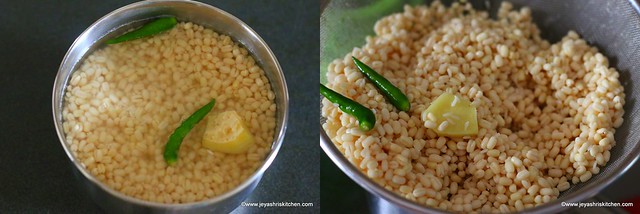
<point x="365" y="116"/>
<point x="152" y="28"/>
<point x="393" y="94"/>
<point x="173" y="144"/>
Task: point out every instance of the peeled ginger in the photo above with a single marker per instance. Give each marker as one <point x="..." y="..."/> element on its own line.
<point x="452" y="116"/>
<point x="227" y="133"/>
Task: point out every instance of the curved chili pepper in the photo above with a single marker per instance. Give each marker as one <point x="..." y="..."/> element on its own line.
<point x="152" y="28"/>
<point x="365" y="116"/>
<point x="393" y="94"/>
<point x="173" y="144"/>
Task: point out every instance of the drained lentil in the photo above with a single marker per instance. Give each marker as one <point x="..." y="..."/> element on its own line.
<point x="125" y="100"/>
<point x="547" y="113"/>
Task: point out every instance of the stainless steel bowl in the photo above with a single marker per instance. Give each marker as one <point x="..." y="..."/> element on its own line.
<point x="344" y="24"/>
<point x="130" y="16"/>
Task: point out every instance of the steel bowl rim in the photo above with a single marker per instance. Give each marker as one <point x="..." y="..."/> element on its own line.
<point x="588" y="191"/>
<point x="256" y="176"/>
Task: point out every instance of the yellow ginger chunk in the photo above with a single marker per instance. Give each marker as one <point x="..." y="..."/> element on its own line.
<point x="226" y="132"/>
<point x="451" y="115"/>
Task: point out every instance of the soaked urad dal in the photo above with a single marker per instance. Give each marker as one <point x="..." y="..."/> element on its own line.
<point x="125" y="100"/>
<point x="546" y="113"/>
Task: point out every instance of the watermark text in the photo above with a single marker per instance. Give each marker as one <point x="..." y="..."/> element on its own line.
<point x="276" y="204"/>
<point x="596" y="204"/>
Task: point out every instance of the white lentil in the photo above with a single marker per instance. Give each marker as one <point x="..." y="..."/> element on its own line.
<point x="455" y="101"/>
<point x="443" y="125"/>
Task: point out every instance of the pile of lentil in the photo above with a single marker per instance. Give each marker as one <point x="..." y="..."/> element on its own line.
<point x="547" y="113"/>
<point x="125" y="100"/>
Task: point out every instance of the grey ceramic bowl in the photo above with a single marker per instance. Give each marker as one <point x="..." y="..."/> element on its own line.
<point x="129" y="17"/>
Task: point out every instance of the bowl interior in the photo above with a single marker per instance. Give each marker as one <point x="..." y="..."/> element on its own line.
<point x="134" y="15"/>
<point x="613" y="27"/>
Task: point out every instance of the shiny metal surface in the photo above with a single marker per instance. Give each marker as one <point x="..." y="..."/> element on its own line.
<point x="593" y="20"/>
<point x="126" y="18"/>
